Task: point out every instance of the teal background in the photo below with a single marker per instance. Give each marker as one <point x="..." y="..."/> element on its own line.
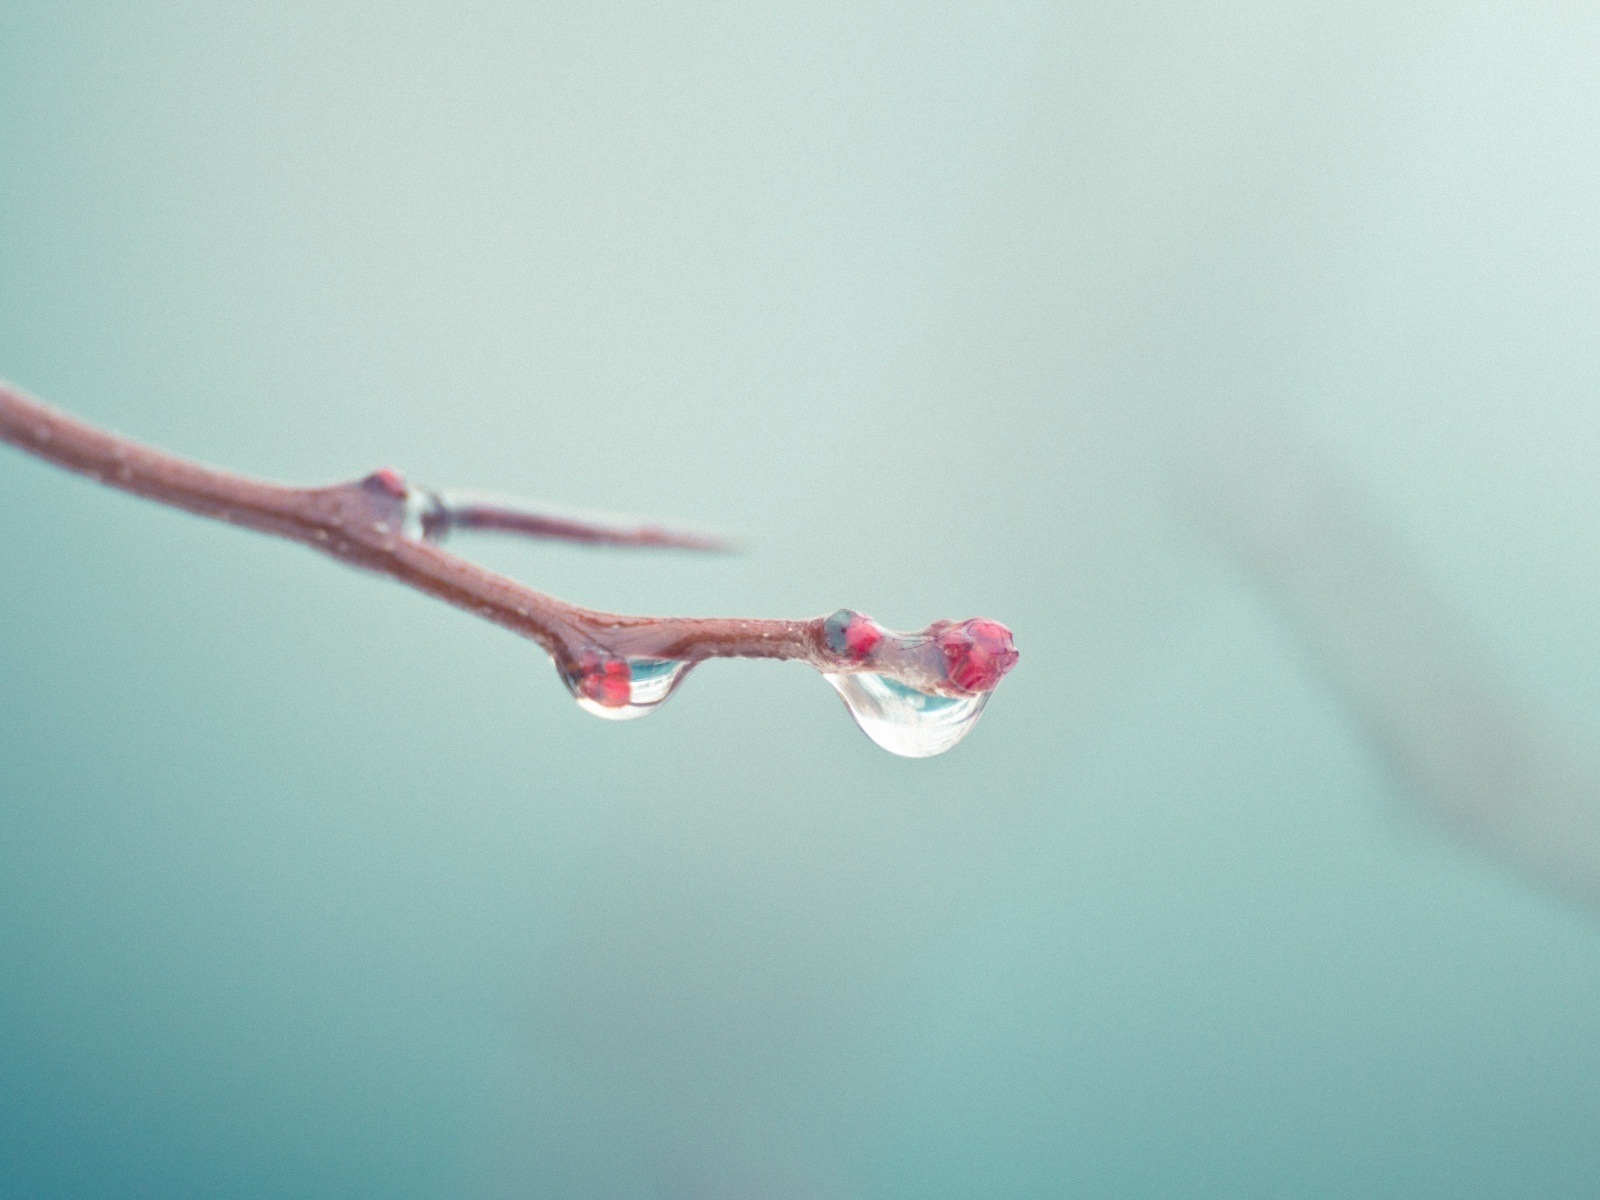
<point x="310" y="886"/>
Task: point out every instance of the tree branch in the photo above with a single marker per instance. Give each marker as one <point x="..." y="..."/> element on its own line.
<point x="383" y="523"/>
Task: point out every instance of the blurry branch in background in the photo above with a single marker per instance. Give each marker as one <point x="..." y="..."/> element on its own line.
<point x="611" y="663"/>
<point x="1475" y="760"/>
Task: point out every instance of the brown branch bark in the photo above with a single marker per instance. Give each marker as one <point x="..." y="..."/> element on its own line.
<point x="384" y="524"/>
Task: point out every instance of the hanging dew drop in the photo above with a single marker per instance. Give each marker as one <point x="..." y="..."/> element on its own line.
<point x="903" y="720"/>
<point x="621" y="689"/>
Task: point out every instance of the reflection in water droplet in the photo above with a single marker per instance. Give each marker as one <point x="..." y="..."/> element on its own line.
<point x="903" y="720"/>
<point x="620" y="689"/>
<point x="424" y="519"/>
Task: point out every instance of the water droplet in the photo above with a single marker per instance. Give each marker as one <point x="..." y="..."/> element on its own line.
<point x="850" y="633"/>
<point x="424" y="518"/>
<point x="977" y="654"/>
<point x="903" y="720"/>
<point x="620" y="689"/>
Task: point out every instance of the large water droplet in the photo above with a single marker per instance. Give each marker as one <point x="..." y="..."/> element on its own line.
<point x="620" y="689"/>
<point x="903" y="720"/>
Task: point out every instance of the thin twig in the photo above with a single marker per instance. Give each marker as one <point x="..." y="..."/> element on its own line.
<point x="473" y="512"/>
<point x="384" y="524"/>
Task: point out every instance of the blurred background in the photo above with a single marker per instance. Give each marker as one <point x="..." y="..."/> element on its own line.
<point x="311" y="886"/>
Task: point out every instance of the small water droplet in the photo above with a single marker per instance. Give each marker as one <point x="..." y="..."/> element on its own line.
<point x="850" y="633"/>
<point x="620" y="689"/>
<point x="424" y="518"/>
<point x="903" y="720"/>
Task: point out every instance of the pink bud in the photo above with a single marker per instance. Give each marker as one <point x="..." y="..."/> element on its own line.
<point x="977" y="654"/>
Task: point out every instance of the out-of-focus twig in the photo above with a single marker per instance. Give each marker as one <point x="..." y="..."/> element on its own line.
<point x="1474" y="758"/>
